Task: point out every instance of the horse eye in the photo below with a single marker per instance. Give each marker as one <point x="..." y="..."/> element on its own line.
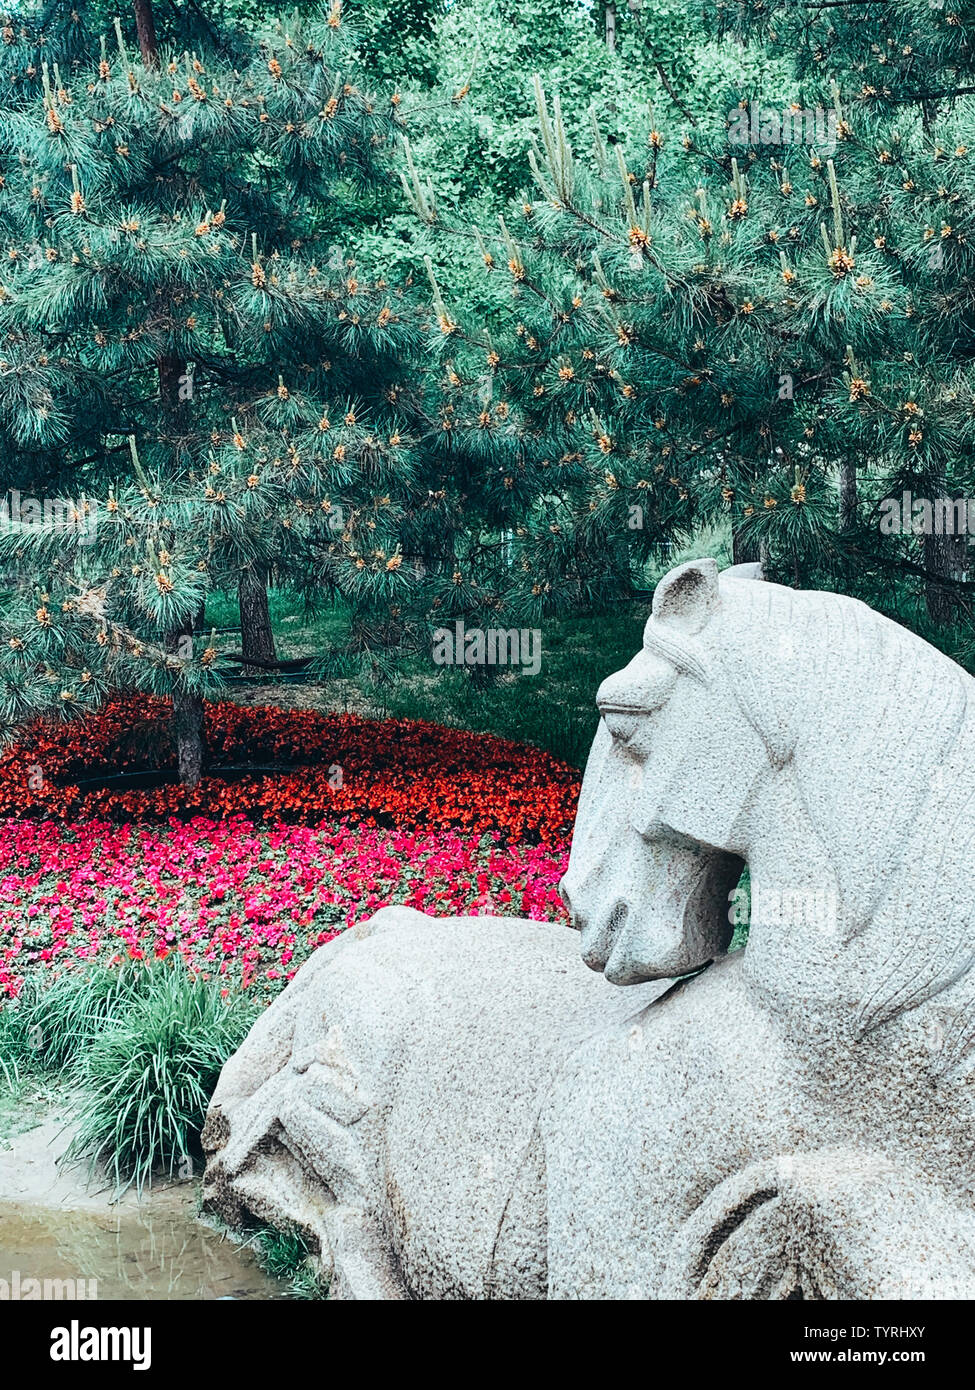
<point x="623" y="725"/>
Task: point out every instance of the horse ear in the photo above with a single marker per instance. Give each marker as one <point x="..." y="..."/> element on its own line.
<point x="688" y="596"/>
<point x="752" y="570"/>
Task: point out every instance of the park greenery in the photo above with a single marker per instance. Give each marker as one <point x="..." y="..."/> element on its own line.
<point x="421" y="312"/>
<point x="325" y="326"/>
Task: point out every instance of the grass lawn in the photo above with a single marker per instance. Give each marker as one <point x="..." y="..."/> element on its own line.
<point x="554" y="710"/>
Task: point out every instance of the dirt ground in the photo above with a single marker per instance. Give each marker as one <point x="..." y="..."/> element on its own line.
<point x="31" y="1174"/>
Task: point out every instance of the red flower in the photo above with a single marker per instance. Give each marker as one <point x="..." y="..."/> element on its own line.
<point x="400" y="774"/>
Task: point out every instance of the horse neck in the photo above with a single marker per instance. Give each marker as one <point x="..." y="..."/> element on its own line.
<point x="799" y="910"/>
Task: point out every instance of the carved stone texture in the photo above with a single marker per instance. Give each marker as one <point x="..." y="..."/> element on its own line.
<point x="461" y="1109"/>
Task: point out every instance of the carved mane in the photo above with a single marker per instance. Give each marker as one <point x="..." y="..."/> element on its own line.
<point x="890" y="781"/>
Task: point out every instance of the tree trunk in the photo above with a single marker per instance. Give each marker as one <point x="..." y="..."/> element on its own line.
<point x="187" y="713"/>
<point x="945" y="555"/>
<point x="848" y="494"/>
<point x="611" y="26"/>
<point x="173" y="378"/>
<point x="146" y="29"/>
<point x="187" y="708"/>
<point x="188" y="733"/>
<point x="256" y="636"/>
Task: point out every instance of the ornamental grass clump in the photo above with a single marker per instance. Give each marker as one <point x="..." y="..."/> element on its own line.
<point x="148" y="1076"/>
<point x="62" y="1020"/>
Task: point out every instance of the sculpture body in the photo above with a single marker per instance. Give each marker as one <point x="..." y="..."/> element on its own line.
<point x="467" y="1109"/>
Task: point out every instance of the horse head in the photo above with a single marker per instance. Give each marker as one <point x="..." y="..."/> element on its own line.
<point x="654" y="856"/>
<point x="810" y="737"/>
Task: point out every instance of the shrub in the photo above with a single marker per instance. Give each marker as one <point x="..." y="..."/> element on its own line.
<point x="149" y="1074"/>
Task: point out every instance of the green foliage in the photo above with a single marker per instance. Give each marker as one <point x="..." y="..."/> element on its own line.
<point x="16" y="1051"/>
<point x="396" y="38"/>
<point x="143" y="1043"/>
<point x="465" y="84"/>
<point x="286" y="1255"/>
<point x="192" y="360"/>
<point x="677" y="325"/>
<point x="60" y="1021"/>
<point x="873" y="247"/>
<point x="695" y="325"/>
<point x="149" y="1072"/>
<point x="231" y="393"/>
<point x="915" y="53"/>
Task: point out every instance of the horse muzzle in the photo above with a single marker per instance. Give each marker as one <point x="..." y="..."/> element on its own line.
<point x="677" y="926"/>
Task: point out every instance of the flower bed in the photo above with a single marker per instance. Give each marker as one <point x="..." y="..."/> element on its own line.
<point x="396" y="774"/>
<point x="238" y="900"/>
<point x="245" y="878"/>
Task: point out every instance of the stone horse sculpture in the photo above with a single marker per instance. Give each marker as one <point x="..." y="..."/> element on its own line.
<point x="460" y="1109"/>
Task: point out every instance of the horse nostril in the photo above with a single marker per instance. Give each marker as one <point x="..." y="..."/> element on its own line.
<point x="617" y="920"/>
<point x="599" y="939"/>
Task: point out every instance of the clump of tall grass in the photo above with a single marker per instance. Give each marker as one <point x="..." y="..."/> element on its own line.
<point x="286" y="1255"/>
<point x="143" y="1044"/>
<point x="148" y="1071"/>
<point x="70" y="1012"/>
<point x="18" y="1038"/>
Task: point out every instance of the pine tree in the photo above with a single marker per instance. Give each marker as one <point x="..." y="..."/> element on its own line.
<point x="890" y="407"/>
<point x="625" y="377"/>
<point x="190" y="358"/>
<point x="743" y="320"/>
